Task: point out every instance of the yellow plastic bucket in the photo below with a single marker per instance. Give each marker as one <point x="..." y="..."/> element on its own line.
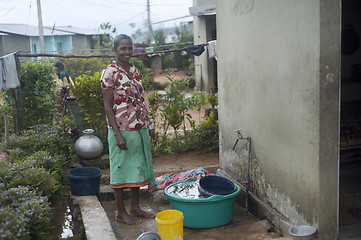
<point x="170" y="224"/>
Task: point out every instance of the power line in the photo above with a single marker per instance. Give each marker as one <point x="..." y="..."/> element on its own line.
<point x="131" y="18"/>
<point x="172" y="19"/>
<point x="16" y="4"/>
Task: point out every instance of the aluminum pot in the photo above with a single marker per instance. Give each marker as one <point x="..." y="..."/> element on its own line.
<point x="88" y="146"/>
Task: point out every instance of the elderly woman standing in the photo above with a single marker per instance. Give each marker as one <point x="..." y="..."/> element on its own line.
<point x="128" y="131"/>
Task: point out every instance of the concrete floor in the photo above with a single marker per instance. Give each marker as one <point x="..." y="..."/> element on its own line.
<point x="243" y="226"/>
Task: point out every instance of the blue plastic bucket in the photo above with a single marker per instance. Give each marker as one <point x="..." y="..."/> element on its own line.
<point x="84" y="181"/>
<point x="216" y="185"/>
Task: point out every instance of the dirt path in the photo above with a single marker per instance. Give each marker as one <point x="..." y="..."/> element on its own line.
<point x="180" y="162"/>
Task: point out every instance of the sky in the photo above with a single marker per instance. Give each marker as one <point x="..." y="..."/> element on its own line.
<point x="92" y="13"/>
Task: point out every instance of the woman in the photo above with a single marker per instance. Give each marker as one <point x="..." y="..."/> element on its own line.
<point x="128" y="135"/>
<point x="63" y="81"/>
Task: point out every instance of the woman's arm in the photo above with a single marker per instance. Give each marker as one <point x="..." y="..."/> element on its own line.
<point x="108" y="105"/>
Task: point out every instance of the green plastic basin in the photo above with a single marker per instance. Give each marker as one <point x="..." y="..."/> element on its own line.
<point x="209" y="212"/>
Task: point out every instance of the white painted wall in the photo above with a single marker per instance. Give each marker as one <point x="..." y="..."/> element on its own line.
<point x="278" y="76"/>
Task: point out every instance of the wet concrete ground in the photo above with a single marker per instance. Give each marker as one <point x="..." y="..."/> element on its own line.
<point x="243" y="225"/>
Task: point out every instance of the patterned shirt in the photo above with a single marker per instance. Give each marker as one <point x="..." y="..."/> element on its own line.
<point x="129" y="107"/>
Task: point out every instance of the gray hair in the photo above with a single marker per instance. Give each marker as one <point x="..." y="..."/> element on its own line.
<point x="119" y="38"/>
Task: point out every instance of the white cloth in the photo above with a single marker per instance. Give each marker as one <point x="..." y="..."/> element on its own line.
<point x="9" y="72"/>
<point x="212" y="49"/>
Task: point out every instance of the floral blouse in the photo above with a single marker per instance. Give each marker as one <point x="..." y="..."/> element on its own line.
<point x="129" y="107"/>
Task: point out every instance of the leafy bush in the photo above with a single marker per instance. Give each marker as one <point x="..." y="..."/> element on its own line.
<point x="25" y="173"/>
<point x="23" y="215"/>
<point x="88" y="93"/>
<point x="203" y="137"/>
<point x="89" y="96"/>
<point x="173" y="110"/>
<point x="42" y="159"/>
<point x="38" y="97"/>
<point x="76" y="67"/>
<point x="206" y="135"/>
<point x="5" y="108"/>
<point x="37" y="138"/>
<point x="146" y="80"/>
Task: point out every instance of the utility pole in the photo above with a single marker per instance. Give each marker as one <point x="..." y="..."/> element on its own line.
<point x="150" y="31"/>
<point x="41" y="33"/>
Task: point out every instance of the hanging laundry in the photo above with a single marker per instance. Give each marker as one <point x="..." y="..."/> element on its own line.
<point x="212" y="49"/>
<point x="9" y="72"/>
<point x="195" y="49"/>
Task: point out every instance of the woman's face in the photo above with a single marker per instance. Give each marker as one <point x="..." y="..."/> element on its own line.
<point x="124" y="50"/>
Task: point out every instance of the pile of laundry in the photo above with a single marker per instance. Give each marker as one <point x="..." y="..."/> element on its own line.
<point x="166" y="179"/>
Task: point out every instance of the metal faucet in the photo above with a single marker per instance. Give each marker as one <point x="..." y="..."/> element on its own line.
<point x="246" y="182"/>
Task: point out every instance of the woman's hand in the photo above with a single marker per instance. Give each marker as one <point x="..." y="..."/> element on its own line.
<point x="121" y="143"/>
<point x="153" y="138"/>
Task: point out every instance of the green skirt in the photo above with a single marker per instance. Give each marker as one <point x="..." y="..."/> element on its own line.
<point x="132" y="167"/>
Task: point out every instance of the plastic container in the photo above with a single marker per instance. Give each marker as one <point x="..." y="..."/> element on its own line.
<point x="302" y="232"/>
<point x="216" y="185"/>
<point x="84" y="181"/>
<point x="170" y="224"/>
<point x="208" y="212"/>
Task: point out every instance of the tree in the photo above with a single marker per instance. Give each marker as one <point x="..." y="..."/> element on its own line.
<point x="159" y="37"/>
<point x="105" y="40"/>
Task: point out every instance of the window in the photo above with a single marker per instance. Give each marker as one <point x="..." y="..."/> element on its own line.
<point x="33" y="48"/>
<point x="59" y="47"/>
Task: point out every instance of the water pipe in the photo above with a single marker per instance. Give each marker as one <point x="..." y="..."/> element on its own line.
<point x="246" y="182"/>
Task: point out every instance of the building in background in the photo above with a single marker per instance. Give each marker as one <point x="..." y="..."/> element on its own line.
<point x="57" y="39"/>
<point x="204" y="31"/>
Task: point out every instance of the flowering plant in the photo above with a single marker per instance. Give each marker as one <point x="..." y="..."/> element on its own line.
<point x="23" y="214"/>
<point x="24" y="173"/>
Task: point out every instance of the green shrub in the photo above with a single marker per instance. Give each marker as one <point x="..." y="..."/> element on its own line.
<point x="15" y="154"/>
<point x="38" y="96"/>
<point x="76" y="67"/>
<point x="37" y="138"/>
<point x="146" y="80"/>
<point x="174" y="109"/>
<point x="40" y="159"/>
<point x="5" y="108"/>
<point x="203" y="137"/>
<point x="25" y="173"/>
<point x="89" y="96"/>
<point x="23" y="215"/>
<point x="206" y="135"/>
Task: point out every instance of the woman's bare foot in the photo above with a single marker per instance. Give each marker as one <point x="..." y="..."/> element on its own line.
<point x="141" y="213"/>
<point x="125" y="218"/>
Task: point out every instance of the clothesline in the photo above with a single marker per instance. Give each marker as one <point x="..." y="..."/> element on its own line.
<point x="25" y="54"/>
<point x="109" y="49"/>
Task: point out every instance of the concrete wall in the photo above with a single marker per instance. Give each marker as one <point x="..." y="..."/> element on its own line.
<point x="81" y="42"/>
<point x="202" y="30"/>
<point x="13" y="43"/>
<point x="278" y="76"/>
